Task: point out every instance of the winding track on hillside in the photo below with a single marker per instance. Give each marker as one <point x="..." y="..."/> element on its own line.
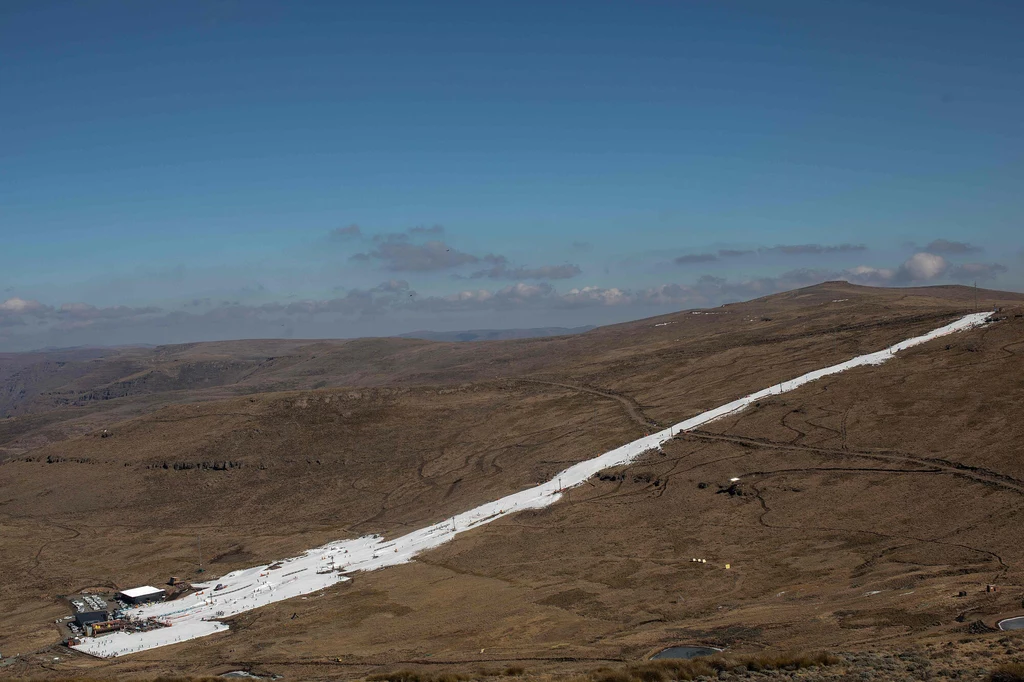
<point x="765" y="510"/>
<point x="934" y="464"/>
<point x="632" y="407"/>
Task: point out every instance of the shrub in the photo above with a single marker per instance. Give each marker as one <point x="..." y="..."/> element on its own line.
<point x="648" y="673"/>
<point x="399" y="676"/>
<point x="406" y="675"/>
<point x="1011" y="672"/>
<point x="680" y="670"/>
<point x="660" y="670"/>
<point x="613" y="676"/>
<point x="449" y="677"/>
<point x="669" y="669"/>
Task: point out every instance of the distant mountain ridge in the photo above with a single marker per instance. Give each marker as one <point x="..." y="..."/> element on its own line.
<point x="496" y="334"/>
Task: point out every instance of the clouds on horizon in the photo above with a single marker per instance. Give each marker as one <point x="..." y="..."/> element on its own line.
<point x="18" y="312"/>
<point x="813" y="249"/>
<point x="501" y="269"/>
<point x="923" y="268"/>
<point x="398" y="254"/>
<point x="781" y="249"/>
<point x="691" y="258"/>
<point x="347" y="232"/>
<point x="407" y="252"/>
<point x="944" y="246"/>
<point x="425" y="253"/>
<point x="23" y="320"/>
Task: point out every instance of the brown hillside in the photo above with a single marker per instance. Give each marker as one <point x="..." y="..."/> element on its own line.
<point x="867" y="501"/>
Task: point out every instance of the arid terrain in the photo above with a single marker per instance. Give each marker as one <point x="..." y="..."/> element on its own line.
<point x="866" y="502"/>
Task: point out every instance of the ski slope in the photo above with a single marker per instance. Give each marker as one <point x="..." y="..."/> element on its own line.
<point x="199" y="614"/>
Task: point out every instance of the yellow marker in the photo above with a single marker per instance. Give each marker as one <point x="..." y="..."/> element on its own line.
<point x="727" y="567"/>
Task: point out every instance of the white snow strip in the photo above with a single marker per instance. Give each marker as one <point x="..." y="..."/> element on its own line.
<point x="199" y="614"/>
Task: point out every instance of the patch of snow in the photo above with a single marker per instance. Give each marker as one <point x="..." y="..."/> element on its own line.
<point x="198" y="614"/>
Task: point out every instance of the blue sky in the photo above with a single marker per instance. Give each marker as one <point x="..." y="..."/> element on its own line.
<point x="199" y="170"/>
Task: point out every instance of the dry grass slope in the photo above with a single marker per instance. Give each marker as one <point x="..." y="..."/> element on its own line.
<point x="867" y="501"/>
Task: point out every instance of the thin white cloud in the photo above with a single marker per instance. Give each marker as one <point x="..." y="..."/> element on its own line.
<point x="20" y="305"/>
<point x="593" y="295"/>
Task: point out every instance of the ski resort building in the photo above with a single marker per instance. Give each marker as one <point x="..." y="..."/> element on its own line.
<point x="103" y="627"/>
<point x="83" y="618"/>
<point x="142" y="595"/>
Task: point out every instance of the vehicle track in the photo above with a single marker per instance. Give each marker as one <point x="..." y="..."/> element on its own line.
<point x="977" y="474"/>
<point x="1003" y="566"/>
<point x="632" y="408"/>
<point x="36" y="559"/>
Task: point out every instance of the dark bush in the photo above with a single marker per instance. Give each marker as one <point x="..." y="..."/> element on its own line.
<point x="406" y="675"/>
<point x="449" y="677"/>
<point x="677" y="669"/>
<point x="1011" y="672"/>
<point x="400" y="676"/>
<point x="649" y="673"/>
<point x="613" y="676"/>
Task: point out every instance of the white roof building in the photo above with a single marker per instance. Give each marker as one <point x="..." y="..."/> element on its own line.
<point x="142" y="593"/>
